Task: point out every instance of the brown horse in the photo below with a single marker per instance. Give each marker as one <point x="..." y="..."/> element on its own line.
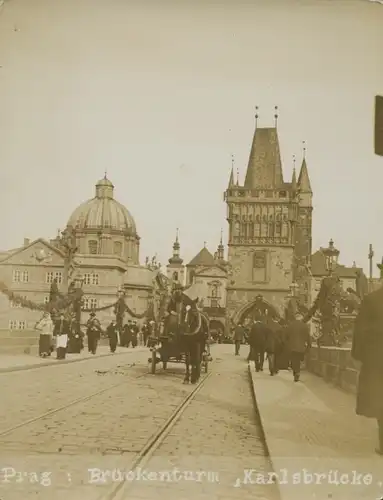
<point x="188" y="326"/>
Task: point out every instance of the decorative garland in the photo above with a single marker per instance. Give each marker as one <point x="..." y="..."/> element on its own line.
<point x="29" y="304"/>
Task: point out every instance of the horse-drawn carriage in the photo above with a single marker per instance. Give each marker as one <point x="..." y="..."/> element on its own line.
<point x="185" y="338"/>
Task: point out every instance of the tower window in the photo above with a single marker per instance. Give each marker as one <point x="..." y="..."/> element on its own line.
<point x="93" y="247"/>
<point x="282" y="194"/>
<point x="175" y="276"/>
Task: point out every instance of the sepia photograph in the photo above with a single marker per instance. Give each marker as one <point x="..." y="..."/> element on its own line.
<point x="191" y="272"/>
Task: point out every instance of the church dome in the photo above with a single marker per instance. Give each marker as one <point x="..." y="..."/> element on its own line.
<point x="103" y="212"/>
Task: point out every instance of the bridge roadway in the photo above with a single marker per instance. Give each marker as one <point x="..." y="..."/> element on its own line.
<point x="199" y="442"/>
<point x="78" y="419"/>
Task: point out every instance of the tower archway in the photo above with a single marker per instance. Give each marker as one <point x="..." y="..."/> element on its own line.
<point x="258" y="308"/>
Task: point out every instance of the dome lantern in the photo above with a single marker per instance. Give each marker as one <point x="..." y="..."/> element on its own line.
<point x="104" y="188"/>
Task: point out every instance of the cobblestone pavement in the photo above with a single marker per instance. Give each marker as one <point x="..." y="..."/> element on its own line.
<point x="216" y="440"/>
<point x="104" y="432"/>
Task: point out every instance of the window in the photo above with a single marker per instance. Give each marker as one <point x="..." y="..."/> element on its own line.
<point x="117" y="248"/>
<point x="213" y="303"/>
<point x="93" y="303"/>
<point x="59" y="278"/>
<point x="16" y="276"/>
<point x="90" y="303"/>
<point x="49" y="277"/>
<point x="22" y="325"/>
<point x="12" y="324"/>
<point x="175" y="276"/>
<point x="25" y="277"/>
<point x="93" y="247"/>
<point x="91" y="279"/>
<point x="46" y="299"/>
<point x="282" y="194"/>
<point x="214" y="291"/>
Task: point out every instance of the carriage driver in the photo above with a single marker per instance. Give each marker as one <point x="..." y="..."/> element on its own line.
<point x="175" y="304"/>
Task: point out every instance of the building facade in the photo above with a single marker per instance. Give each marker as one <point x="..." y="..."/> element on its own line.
<point x="270" y="226"/>
<point x="107" y="259"/>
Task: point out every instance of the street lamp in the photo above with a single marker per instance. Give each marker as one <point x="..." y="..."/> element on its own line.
<point x="331" y="254"/>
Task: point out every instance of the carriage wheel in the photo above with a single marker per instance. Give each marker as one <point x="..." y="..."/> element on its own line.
<point x="164" y="365"/>
<point x="154" y="361"/>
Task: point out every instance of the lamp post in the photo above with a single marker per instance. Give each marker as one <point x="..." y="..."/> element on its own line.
<point x="331" y="254"/>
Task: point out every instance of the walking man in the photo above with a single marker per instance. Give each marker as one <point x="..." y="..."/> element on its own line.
<point x="239" y="332"/>
<point x="257" y="340"/>
<point x="298" y="341"/>
<point x="112" y="335"/>
<point x="273" y="342"/>
<point x="93" y="332"/>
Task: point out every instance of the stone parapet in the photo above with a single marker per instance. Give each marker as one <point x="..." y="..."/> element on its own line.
<point x="335" y="365"/>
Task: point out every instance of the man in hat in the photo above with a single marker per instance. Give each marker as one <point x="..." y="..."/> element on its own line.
<point x="112" y="335"/>
<point x="93" y="332"/>
<point x="61" y="331"/>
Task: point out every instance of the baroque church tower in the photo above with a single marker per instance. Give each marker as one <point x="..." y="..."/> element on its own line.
<point x="269" y="230"/>
<point x="175" y="270"/>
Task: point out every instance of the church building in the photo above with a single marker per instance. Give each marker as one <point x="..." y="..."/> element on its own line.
<point x="270" y="227"/>
<point x="205" y="278"/>
<point x="106" y="261"/>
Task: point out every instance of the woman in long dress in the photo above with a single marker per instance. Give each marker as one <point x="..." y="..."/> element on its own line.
<point x="45" y="326"/>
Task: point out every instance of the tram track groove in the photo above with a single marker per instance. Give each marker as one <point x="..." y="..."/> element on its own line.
<point x="155" y="441"/>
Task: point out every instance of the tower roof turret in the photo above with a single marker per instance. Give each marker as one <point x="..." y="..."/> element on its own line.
<point x="304" y="179"/>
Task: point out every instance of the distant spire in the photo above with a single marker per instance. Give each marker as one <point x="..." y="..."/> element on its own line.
<point x="237" y="177"/>
<point x="204" y="244"/>
<point x="176" y="259"/>
<point x="231" y="179"/>
<point x="106" y="174"/>
<point x="304" y="179"/>
<point x="294" y="179"/>
<point x="256" y="116"/>
<point x="276" y="116"/>
<point x="221" y="248"/>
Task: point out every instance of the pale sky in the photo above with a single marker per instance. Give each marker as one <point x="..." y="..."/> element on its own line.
<point x="161" y="93"/>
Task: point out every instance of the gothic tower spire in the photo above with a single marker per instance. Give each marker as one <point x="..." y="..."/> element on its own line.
<point x="304" y="179"/>
<point x="264" y="168"/>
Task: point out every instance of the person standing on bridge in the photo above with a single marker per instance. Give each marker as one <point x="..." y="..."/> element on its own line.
<point x="239" y="332"/>
<point x="61" y="331"/>
<point x="298" y="341"/>
<point x="367" y="347"/>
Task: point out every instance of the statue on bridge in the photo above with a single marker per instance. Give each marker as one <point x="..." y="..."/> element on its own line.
<point x="327" y="304"/>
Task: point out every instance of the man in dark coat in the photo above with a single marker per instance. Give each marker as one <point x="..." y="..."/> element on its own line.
<point x="367" y="348"/>
<point x="273" y="345"/>
<point x="238" y="337"/>
<point x="93" y="331"/>
<point x="257" y="341"/>
<point x="112" y="335"/>
<point x="298" y="341"/>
